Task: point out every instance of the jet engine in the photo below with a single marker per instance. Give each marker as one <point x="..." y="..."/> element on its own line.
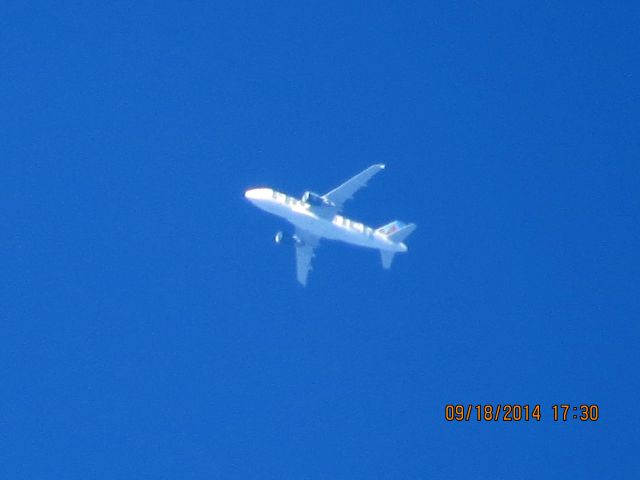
<point x="316" y="200"/>
<point x="284" y="239"/>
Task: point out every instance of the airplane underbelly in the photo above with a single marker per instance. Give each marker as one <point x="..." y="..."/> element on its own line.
<point x="327" y="229"/>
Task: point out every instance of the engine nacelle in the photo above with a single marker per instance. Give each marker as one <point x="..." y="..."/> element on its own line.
<point x="284" y="239"/>
<point x="316" y="200"/>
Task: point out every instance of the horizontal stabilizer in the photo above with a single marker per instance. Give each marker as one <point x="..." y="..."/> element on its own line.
<point x="387" y="258"/>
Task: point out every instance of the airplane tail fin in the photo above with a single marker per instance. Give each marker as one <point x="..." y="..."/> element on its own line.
<point x="397" y="231"/>
<point x="389" y="228"/>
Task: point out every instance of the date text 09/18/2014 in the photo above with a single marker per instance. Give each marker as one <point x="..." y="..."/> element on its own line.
<point x="520" y="412"/>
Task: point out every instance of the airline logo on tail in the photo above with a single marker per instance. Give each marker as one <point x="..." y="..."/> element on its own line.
<point x="391" y="227"/>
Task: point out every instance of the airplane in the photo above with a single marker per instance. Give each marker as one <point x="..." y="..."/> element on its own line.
<point x="318" y="216"/>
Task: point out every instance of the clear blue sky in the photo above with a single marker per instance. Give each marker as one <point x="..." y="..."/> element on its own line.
<point x="150" y="328"/>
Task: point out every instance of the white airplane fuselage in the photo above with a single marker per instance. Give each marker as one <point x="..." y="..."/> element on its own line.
<point x="315" y="221"/>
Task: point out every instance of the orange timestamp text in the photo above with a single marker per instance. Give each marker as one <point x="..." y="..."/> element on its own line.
<point x="519" y="412"/>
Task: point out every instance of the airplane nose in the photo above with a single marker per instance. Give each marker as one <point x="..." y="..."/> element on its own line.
<point x="254" y="194"/>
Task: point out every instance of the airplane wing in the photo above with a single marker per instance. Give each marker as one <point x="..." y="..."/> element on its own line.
<point x="345" y="191"/>
<point x="304" y="253"/>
